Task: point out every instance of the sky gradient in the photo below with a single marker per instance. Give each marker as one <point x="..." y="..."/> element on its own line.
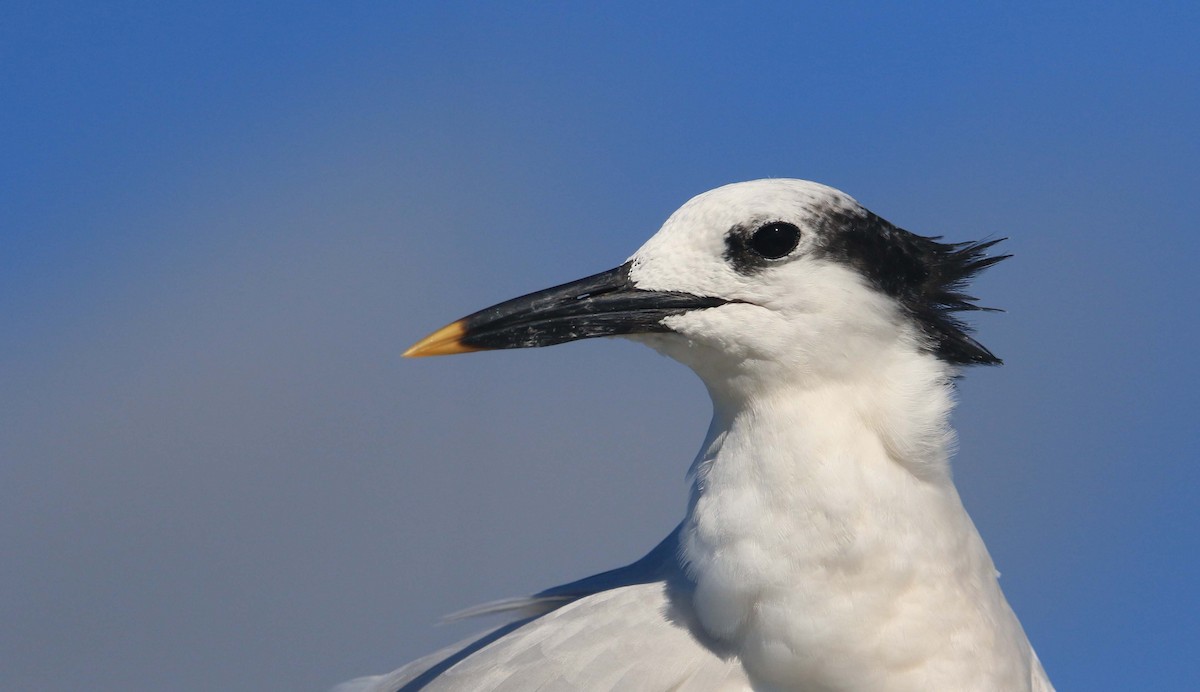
<point x="221" y="225"/>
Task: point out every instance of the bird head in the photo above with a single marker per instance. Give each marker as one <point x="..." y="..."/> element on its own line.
<point x="773" y="279"/>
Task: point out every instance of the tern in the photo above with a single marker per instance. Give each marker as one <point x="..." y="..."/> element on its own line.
<point x="824" y="547"/>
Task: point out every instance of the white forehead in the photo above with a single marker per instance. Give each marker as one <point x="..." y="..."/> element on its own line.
<point x="693" y="238"/>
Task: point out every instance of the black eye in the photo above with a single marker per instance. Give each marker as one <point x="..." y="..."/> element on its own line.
<point x="774" y="240"/>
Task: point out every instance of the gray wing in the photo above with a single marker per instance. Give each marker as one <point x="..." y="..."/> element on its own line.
<point x="660" y="564"/>
<point x="630" y="628"/>
<point x="629" y="638"/>
<point x="417" y="674"/>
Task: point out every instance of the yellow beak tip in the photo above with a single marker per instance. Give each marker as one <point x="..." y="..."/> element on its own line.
<point x="444" y="342"/>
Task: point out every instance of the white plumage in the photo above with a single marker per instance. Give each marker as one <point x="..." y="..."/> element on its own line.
<point x="825" y="547"/>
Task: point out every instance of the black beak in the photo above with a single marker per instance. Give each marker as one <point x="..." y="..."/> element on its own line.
<point x="605" y="304"/>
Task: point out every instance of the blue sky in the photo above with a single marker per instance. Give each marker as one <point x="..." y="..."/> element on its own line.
<point x="221" y="225"/>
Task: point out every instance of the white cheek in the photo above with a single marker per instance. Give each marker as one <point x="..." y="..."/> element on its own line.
<point x="735" y="332"/>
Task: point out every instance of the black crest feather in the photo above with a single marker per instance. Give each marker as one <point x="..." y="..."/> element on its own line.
<point x="927" y="276"/>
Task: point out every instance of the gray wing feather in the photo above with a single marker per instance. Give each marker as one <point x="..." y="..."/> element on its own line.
<point x="657" y="565"/>
<point x="629" y="638"/>
<point x="629" y="628"/>
<point x="400" y="678"/>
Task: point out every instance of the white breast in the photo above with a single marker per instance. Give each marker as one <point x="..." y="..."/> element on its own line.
<point x="822" y="557"/>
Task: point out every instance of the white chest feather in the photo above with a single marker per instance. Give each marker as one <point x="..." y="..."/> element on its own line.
<point x="820" y="553"/>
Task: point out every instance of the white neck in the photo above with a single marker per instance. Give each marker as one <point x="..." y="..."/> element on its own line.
<point x="828" y="543"/>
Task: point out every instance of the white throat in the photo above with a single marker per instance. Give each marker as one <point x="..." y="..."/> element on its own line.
<point x="827" y="541"/>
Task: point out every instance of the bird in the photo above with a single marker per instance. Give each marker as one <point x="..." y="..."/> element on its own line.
<point x="824" y="547"/>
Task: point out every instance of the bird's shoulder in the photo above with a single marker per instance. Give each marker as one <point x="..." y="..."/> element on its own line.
<point x="635" y="637"/>
<point x="631" y="628"/>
